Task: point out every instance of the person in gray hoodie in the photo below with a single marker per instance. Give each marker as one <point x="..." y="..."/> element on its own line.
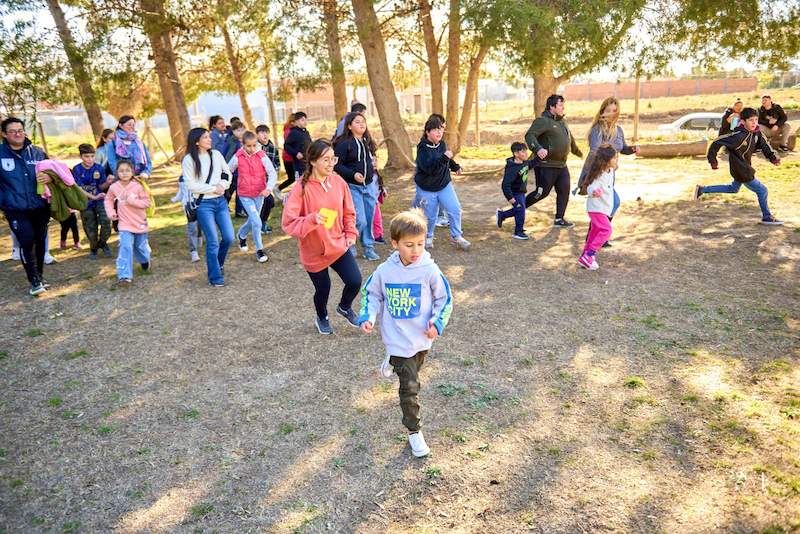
<point x="414" y="302"/>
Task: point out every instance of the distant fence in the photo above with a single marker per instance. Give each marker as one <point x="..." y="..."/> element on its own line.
<point x="660" y="88"/>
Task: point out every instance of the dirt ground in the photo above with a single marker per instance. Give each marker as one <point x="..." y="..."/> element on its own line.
<point x="658" y="394"/>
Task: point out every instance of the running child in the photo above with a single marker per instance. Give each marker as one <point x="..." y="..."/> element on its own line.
<point x="599" y="186"/>
<point x="515" y="186"/>
<point x="268" y="147"/>
<point x="126" y="202"/>
<point x="91" y="178"/>
<point x="434" y="183"/>
<point x="412" y="298"/>
<point x="741" y="144"/>
<point x="257" y="179"/>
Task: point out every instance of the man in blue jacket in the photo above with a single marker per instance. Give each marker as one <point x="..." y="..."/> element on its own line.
<point x="26" y="211"/>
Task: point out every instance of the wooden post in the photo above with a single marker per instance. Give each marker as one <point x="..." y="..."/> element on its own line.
<point x="41" y="132"/>
<point x="148" y="134"/>
<point x="477" y="118"/>
<point x="637" y="91"/>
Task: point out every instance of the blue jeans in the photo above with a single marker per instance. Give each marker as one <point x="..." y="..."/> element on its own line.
<point x="193" y="235"/>
<point x="429" y="201"/>
<point x="517" y="211"/>
<point x="364" y="201"/>
<point x="753" y="185"/>
<point x="252" y="205"/>
<point x="131" y="246"/>
<point x="213" y="214"/>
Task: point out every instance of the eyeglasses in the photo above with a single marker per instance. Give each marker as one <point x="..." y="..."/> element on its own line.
<point x="15" y="132"/>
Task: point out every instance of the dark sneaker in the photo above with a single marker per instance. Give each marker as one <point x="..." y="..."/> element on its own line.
<point x="36" y="289"/>
<point x="348" y="314"/>
<point x="93" y="255"/>
<point x="243" y="244"/>
<point x="217" y="284"/>
<point x="607" y="244"/>
<point x="261" y="256"/>
<point x="783" y="148"/>
<point x="698" y="190"/>
<point x="380" y="240"/>
<point x="771" y="221"/>
<point x="323" y="326"/>
<point x="266" y="229"/>
<point x="124" y="282"/>
<point x="146" y="266"/>
<point x="522" y="236"/>
<point x="562" y="223"/>
<point x="107" y="251"/>
<point x="45" y="283"/>
<point x="498" y="215"/>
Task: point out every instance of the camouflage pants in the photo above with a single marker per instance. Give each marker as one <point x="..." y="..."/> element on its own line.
<point x="96" y="221"/>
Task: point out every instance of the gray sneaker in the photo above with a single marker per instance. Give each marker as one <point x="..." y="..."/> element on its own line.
<point x="370" y="255"/>
<point x="461" y="243"/>
<point x="348" y="314"/>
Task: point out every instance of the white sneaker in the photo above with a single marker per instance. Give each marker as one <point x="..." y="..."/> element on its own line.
<point x="428" y="242"/>
<point x="461" y="243"/>
<point x="386" y="368"/>
<point x="15" y="254"/>
<point x="195" y="256"/>
<point x="418" y="446"/>
<point x="48" y="259"/>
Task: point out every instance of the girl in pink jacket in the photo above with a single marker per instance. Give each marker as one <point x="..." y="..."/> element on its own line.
<point x="126" y="202"/>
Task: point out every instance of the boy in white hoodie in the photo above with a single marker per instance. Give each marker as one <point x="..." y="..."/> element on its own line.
<point x="413" y="299"/>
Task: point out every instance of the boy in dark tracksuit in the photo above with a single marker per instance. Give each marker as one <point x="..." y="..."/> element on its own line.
<point x="550" y="139"/>
<point x="297" y="142"/>
<point x="741" y="144"/>
<point x="515" y="185"/>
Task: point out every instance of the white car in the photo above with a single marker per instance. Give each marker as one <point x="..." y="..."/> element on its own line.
<point x="697" y="122"/>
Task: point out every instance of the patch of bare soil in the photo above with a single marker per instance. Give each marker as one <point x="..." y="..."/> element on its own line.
<point x="658" y="394"/>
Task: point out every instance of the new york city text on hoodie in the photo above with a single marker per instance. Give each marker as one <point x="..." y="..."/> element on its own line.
<point x="407" y="297"/>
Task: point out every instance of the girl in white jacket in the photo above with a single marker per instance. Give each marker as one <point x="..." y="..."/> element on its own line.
<point x="599" y="186"/>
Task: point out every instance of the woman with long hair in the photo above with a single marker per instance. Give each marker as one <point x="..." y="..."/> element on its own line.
<point x="126" y="145"/>
<point x="319" y="212"/>
<point x="207" y="176"/>
<point x="605" y="131"/>
<point x="355" y="151"/>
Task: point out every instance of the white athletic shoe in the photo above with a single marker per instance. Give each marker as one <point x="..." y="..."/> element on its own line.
<point x="428" y="242"/>
<point x="461" y="243"/>
<point x="15" y="254"/>
<point x="386" y="368"/>
<point x="48" y="259"/>
<point x="195" y="256"/>
<point x="418" y="446"/>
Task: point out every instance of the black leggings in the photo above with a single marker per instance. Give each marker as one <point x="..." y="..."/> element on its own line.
<point x="30" y="227"/>
<point x="347" y="269"/>
<point x="70" y="223"/>
<point x="266" y="208"/>
<point x="289" y="166"/>
<point x="546" y="178"/>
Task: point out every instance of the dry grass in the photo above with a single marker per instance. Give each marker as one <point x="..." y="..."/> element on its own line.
<point x="659" y="394"/>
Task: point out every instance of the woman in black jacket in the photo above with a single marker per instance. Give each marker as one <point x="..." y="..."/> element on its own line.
<point x="355" y="151"/>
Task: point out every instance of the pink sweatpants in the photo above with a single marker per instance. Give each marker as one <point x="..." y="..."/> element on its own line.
<point x="599" y="231"/>
<point x="377" y="219"/>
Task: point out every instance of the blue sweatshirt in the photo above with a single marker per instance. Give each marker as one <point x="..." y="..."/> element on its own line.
<point x="90" y="181"/>
<point x="406" y="297"/>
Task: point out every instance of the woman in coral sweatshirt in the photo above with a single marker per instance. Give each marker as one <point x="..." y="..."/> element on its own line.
<point x="320" y="214"/>
<point x="126" y="202"/>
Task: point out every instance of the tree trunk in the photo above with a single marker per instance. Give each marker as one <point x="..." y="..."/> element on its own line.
<point x="271" y="103"/>
<point x="167" y="70"/>
<point x="167" y="96"/>
<point x="432" y="49"/>
<point x="78" y="67"/>
<point x="236" y="72"/>
<point x="544" y="85"/>
<point x="380" y="81"/>
<point x="469" y="96"/>
<point x="453" y="71"/>
<point x="338" y="83"/>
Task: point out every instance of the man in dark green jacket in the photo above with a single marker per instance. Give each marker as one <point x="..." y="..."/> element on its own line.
<point x="550" y="139"/>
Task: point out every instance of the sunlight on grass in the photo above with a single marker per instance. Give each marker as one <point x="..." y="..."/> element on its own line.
<point x="166" y="512"/>
<point x="300" y="473"/>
